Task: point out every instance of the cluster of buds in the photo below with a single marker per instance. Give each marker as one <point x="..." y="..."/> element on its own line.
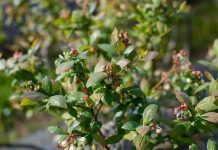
<point x="180" y="59"/>
<point x="181" y="112"/>
<point x="74" y="52"/>
<point x="156" y="129"/>
<point x="198" y="74"/>
<point x="123" y="37"/>
<point x="30" y="86"/>
<point x="17" y="54"/>
<point x="67" y="143"/>
<point x="108" y="69"/>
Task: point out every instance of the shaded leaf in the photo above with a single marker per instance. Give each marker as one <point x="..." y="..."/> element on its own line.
<point x="99" y="139"/>
<point x="72" y="111"/>
<point x="114" y="139"/>
<point x="33" y="95"/>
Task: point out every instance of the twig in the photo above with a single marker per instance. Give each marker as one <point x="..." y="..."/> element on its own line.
<point x="162" y="80"/>
<point x="96" y="119"/>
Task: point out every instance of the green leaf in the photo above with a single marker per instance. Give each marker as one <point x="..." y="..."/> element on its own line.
<point x="58" y="101"/>
<point x="207" y="104"/>
<point x="56" y="130"/>
<point x="129" y="50"/>
<point x="94" y="78"/>
<point x="130" y="136"/>
<point x="75" y="97"/>
<point x="72" y="111"/>
<point x="34" y="47"/>
<point x="116" y="68"/>
<point x="99" y="139"/>
<point x="109" y="97"/>
<point x="142" y="130"/>
<point x="215" y="47"/>
<point x="141" y="142"/>
<point x="108" y="48"/>
<point x="201" y="87"/>
<point x="114" y="139"/>
<point x="47" y="85"/>
<point x="149" y="113"/>
<point x="64" y="67"/>
<point x="33" y="95"/>
<point x="181" y="97"/>
<point x="119" y="46"/>
<point x="27" y="102"/>
<point x="193" y="147"/>
<point x="114" y="36"/>
<point x="131" y="125"/>
<point x="95" y="36"/>
<point x="209" y="75"/>
<point x="96" y="126"/>
<point x="213" y="87"/>
<point x="211" y="144"/>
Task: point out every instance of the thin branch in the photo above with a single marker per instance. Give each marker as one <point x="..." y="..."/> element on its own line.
<point x="96" y="119"/>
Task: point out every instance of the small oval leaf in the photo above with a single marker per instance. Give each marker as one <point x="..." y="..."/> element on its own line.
<point x="56" y="130"/>
<point x="149" y="113"/>
<point x="58" y="101"/>
<point x="94" y="78"/>
<point x="64" y="67"/>
<point x="211" y="144"/>
<point x="33" y="95"/>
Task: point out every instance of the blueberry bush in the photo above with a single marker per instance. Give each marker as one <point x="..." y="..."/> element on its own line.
<point x="112" y="89"/>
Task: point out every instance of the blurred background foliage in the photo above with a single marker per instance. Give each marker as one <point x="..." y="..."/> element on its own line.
<point x="59" y="24"/>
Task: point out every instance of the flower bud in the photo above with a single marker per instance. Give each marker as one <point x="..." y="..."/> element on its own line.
<point x="159" y="130"/>
<point x="64" y="144"/>
<point x="153" y="135"/>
